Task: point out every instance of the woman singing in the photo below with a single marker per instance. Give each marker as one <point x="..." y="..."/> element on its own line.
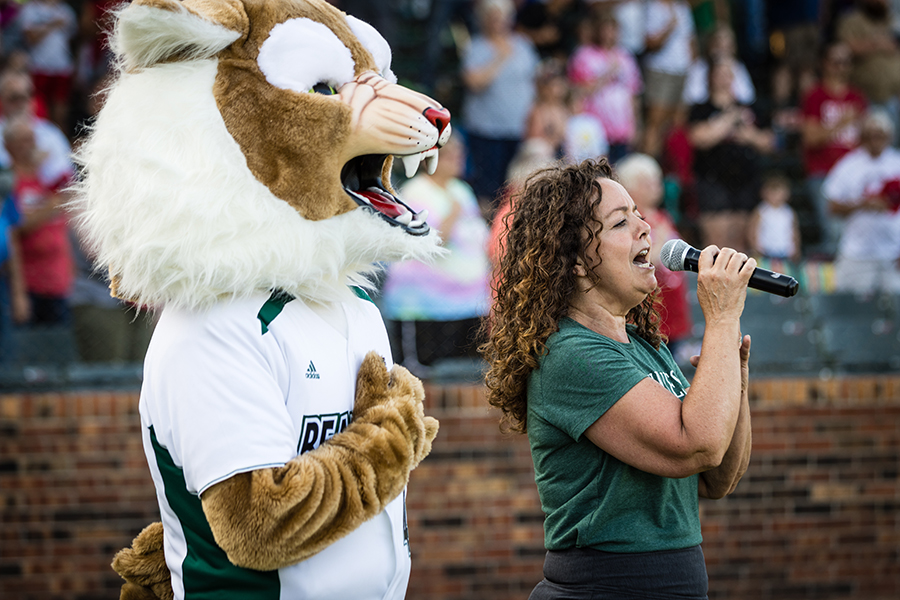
<point x="622" y="445"/>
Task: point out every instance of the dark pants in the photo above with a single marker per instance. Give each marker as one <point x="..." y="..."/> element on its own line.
<point x="424" y="342"/>
<point x="586" y="574"/>
<point x="489" y="158"/>
<point x="49" y="310"/>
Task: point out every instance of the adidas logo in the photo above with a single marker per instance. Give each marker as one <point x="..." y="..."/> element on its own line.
<point x="311" y="371"/>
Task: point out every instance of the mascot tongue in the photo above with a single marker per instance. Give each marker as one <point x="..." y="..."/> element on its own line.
<point x="383" y="203"/>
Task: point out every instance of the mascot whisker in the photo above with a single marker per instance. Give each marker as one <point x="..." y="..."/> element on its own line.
<point x="238" y="178"/>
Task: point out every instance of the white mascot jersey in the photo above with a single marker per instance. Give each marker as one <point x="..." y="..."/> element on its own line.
<point x="289" y="387"/>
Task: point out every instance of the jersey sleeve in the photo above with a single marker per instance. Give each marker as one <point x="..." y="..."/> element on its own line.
<point x="214" y="397"/>
<point x="578" y="387"/>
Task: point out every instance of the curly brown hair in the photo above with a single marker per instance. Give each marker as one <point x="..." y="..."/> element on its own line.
<point x="544" y="236"/>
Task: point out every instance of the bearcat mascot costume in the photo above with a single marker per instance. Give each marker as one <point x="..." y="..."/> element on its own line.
<point x="237" y="178"/>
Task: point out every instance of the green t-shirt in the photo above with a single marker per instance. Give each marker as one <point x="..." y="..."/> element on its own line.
<point x="590" y="498"/>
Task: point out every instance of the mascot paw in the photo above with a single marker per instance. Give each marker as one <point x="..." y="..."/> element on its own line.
<point x="431" y="429"/>
<point x="143" y="567"/>
<point x="379" y="391"/>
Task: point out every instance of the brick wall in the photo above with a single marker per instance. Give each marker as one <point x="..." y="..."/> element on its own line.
<point x="816" y="516"/>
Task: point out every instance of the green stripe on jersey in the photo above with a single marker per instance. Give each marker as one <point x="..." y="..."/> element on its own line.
<point x="361" y="293"/>
<point x="206" y="570"/>
<point x="272" y="308"/>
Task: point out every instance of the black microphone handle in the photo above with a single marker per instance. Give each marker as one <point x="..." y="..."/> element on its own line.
<point x="762" y="280"/>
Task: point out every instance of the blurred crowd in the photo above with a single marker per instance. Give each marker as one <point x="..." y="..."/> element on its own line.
<point x="763" y="125"/>
<point x="54" y="63"/>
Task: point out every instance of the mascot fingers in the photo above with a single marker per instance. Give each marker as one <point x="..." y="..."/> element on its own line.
<point x="424" y="449"/>
<point x="143" y="567"/>
<point x="372" y="382"/>
<point x="404" y="383"/>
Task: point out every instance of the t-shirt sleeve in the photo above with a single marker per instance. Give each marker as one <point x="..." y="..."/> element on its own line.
<point x="477" y="55"/>
<point x="632" y="73"/>
<point x="578" y="67"/>
<point x="28" y="17"/>
<point x="217" y="392"/>
<point x="811" y="106"/>
<point x="9" y="215"/>
<point x="837" y="186"/>
<point x="579" y="387"/>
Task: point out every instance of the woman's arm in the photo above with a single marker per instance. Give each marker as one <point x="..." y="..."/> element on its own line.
<point x="21" y="305"/>
<point x="763" y="140"/>
<point x="708" y="133"/>
<point x="652" y="430"/>
<point x="655" y="41"/>
<point x="479" y="79"/>
<point x="722" y="480"/>
<point x="49" y="209"/>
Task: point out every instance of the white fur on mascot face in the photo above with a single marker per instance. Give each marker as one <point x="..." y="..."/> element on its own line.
<point x="246" y="146"/>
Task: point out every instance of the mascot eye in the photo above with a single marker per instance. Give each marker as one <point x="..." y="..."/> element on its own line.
<point x="323" y="88"/>
<point x="377" y="46"/>
<point x="301" y="54"/>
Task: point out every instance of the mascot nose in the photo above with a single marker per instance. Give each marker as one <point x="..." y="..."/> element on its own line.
<point x="440" y="118"/>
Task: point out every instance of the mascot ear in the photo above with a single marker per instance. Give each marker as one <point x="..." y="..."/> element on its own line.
<point x="152" y="31"/>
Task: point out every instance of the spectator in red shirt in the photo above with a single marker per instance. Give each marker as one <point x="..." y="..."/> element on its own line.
<point x="43" y="231"/>
<point x="830" y="129"/>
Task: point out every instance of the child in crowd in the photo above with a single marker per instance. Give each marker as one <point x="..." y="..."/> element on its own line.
<point x="773" y="229"/>
<point x="43" y="231"/>
<point x="548" y="117"/>
<point x="585" y="136"/>
<point x="610" y="79"/>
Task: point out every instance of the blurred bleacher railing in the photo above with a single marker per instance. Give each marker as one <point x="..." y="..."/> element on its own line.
<point x="815" y="333"/>
<point x="46" y="357"/>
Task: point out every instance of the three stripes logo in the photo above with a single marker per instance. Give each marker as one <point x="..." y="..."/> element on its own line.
<point x="311" y="371"/>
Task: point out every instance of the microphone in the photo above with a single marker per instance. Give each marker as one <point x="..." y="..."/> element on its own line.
<point x="678" y="255"/>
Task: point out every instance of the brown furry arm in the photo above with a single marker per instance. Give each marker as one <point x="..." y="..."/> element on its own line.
<point x="271" y="518"/>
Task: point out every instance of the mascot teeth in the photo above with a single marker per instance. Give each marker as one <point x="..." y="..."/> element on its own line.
<point x="420" y="219"/>
<point x="431" y="161"/>
<point x="411" y="162"/>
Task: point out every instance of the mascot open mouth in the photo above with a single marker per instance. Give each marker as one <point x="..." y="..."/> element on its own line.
<point x="361" y="178"/>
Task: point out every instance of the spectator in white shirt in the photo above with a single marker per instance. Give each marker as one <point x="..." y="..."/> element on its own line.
<point x="669" y="44"/>
<point x="864" y="188"/>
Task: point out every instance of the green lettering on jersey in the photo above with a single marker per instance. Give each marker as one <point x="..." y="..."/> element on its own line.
<point x="206" y="570"/>
<point x="272" y="308"/>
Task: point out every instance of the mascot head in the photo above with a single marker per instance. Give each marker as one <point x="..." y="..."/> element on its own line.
<point x="246" y="146"/>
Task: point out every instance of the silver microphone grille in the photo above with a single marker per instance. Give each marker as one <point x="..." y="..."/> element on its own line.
<point x="672" y="254"/>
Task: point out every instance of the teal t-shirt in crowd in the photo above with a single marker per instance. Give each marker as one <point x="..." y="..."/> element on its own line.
<point x="591" y="499"/>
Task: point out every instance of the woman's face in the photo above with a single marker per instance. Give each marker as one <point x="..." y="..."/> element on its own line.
<point x="495" y="20"/>
<point x="624" y="272"/>
<point x="608" y="34"/>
